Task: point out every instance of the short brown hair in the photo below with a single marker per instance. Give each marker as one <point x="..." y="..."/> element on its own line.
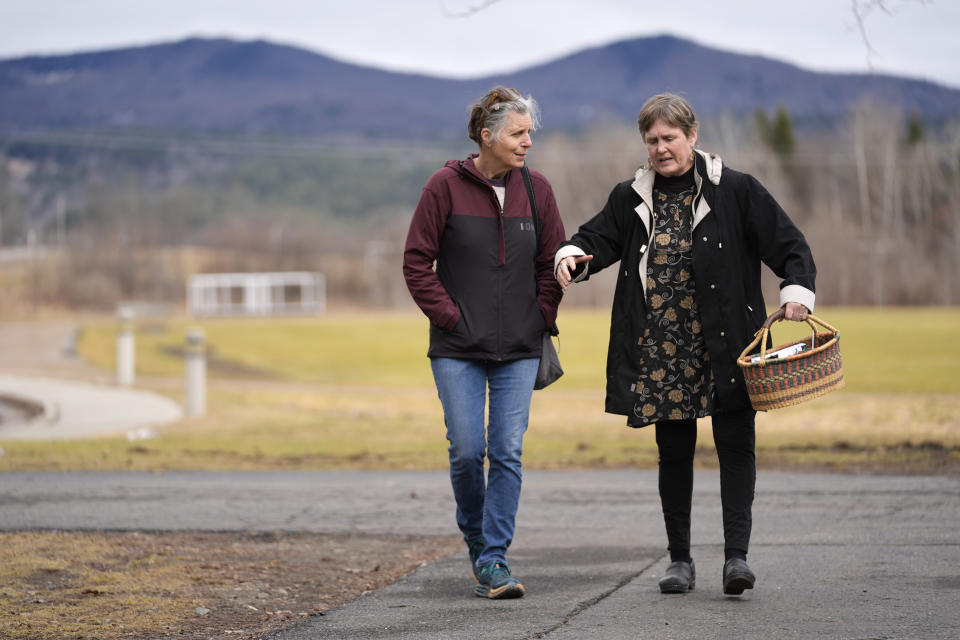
<point x="670" y="108"/>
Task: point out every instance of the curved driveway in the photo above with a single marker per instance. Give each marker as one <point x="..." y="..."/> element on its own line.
<point x="70" y="409"/>
<point x="40" y="373"/>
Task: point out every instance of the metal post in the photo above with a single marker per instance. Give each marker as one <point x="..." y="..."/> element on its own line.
<point x="196" y="366"/>
<point x="125" y="347"/>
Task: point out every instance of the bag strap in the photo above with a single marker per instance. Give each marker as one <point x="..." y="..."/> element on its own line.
<point x="537" y="224"/>
<point x="533" y="203"/>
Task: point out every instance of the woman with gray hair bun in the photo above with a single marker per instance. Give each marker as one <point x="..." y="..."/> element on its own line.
<point x="489" y="300"/>
<point x="690" y="235"/>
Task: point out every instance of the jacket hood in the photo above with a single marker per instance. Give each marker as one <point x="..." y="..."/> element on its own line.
<point x="714" y="166"/>
<point x="456" y="165"/>
<point x="465" y="167"/>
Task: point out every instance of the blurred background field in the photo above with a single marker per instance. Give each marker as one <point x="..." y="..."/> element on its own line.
<point x="354" y="390"/>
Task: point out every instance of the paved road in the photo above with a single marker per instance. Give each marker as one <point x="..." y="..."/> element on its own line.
<point x="46" y="392"/>
<point x="837" y="556"/>
<point x="72" y="409"/>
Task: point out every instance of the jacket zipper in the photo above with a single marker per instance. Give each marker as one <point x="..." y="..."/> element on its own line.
<point x="500" y="268"/>
<point x="499" y="314"/>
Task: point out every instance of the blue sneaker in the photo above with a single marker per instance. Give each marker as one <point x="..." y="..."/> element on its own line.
<point x="495" y="582"/>
<point x="475" y="547"/>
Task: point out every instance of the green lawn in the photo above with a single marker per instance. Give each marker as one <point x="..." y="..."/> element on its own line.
<point x="355" y="391"/>
<point x="897" y="350"/>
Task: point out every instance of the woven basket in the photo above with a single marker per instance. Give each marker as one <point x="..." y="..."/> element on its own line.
<point x="815" y="371"/>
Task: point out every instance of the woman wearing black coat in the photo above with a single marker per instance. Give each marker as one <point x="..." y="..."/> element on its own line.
<point x="690" y="235"/>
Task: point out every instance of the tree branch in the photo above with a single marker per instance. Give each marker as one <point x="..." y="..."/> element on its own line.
<point x="469" y="11"/>
<point x="862" y="8"/>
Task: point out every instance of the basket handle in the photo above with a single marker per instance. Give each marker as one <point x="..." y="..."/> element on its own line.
<point x="761" y="335"/>
<point x="776" y="316"/>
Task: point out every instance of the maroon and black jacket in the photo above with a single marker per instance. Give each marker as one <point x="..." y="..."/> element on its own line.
<point x="483" y="300"/>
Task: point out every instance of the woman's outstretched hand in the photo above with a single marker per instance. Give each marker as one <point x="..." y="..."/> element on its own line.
<point x="567" y="266"/>
<point x="795" y="311"/>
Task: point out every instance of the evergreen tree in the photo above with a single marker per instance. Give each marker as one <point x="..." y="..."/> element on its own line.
<point x="781" y="139"/>
<point x="916" y="132"/>
<point x="777" y="134"/>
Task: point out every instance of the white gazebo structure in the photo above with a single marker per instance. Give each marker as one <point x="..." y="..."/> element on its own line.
<point x="256" y="294"/>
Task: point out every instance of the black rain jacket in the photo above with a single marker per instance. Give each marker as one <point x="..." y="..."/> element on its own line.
<point x="737" y="227"/>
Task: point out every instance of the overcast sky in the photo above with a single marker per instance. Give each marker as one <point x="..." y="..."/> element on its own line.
<point x="917" y="39"/>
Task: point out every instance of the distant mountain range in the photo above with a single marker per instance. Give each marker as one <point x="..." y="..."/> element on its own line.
<point x="226" y="86"/>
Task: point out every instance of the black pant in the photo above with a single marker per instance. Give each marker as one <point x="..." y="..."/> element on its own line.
<point x="734" y="435"/>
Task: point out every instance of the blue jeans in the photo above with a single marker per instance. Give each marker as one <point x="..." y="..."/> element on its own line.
<point x="486" y="508"/>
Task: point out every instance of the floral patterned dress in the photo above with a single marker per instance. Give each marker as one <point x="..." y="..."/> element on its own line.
<point x="675" y="381"/>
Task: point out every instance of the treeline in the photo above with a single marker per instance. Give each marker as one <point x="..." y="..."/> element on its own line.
<point x="98" y="179"/>
<point x="86" y="223"/>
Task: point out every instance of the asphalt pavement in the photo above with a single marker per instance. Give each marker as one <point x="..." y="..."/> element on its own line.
<point x="836" y="556"/>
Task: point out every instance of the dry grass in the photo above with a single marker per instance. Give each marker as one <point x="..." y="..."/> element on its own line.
<point x="278" y="426"/>
<point x="65" y="585"/>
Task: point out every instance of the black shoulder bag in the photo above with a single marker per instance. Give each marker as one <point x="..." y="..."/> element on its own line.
<point x="550" y="369"/>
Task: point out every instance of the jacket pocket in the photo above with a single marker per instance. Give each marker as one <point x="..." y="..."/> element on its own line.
<point x="457" y="339"/>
